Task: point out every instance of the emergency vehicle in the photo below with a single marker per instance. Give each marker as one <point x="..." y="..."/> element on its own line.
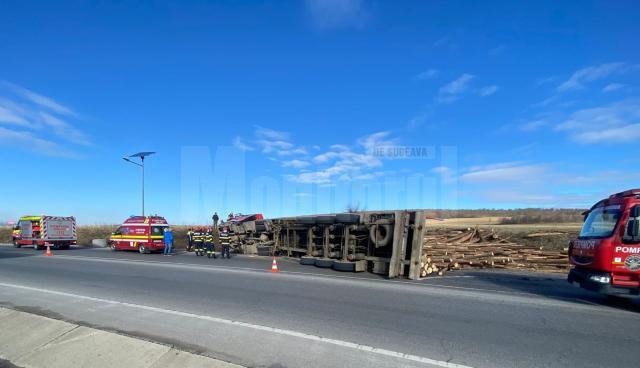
<point x="40" y="231"/>
<point x="144" y="234"/>
<point x="606" y="254"/>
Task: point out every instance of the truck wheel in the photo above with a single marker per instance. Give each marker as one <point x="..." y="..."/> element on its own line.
<point x="36" y="246"/>
<point x="113" y="247"/>
<point x="324" y="262"/>
<point x="16" y="244"/>
<point x="142" y="249"/>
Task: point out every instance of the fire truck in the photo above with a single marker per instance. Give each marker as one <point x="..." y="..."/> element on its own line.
<point x="606" y="254"/>
<point x="142" y="233"/>
<point x="40" y="231"/>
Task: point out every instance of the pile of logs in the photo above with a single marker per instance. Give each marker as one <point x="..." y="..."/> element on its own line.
<point x="445" y="250"/>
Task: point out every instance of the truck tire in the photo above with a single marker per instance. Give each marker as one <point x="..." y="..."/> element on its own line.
<point x="348" y="218"/>
<point x="142" y="249"/>
<point x="36" y="246"/>
<point x="381" y="235"/>
<point x="307" y="260"/>
<point x="344" y="266"/>
<point x="324" y="262"/>
<point x="16" y="244"/>
<point x="113" y="247"/>
<point x="325" y="219"/>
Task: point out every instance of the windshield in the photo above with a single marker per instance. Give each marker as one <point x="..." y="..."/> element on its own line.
<point x="600" y="223"/>
<point x="157" y="230"/>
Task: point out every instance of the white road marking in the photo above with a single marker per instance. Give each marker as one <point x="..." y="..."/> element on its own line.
<point x="341" y="343"/>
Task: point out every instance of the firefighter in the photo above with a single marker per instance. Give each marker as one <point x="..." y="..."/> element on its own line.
<point x="215" y="219"/>
<point x="208" y="241"/>
<point x="190" y="240"/>
<point x="225" y="242"/>
<point x="198" y="241"/>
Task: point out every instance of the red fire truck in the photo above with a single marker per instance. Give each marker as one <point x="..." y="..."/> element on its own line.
<point x="144" y="234"/>
<point x="606" y="255"/>
<point x="39" y="231"/>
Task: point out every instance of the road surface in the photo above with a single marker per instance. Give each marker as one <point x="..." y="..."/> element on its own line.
<point x="238" y="311"/>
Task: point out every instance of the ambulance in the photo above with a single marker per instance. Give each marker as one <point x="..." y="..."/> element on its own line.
<point x="40" y="231"/>
<point x="144" y="234"/>
<point x="606" y="254"/>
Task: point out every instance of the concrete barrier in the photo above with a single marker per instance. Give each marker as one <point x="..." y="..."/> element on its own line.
<point x="99" y="243"/>
<point x="29" y="340"/>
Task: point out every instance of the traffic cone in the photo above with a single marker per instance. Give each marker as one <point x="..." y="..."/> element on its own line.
<point x="49" y="253"/>
<point x="274" y="266"/>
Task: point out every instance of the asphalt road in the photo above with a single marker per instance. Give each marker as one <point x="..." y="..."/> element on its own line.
<point x="236" y="310"/>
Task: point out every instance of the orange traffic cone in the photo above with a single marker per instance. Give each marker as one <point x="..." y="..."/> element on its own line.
<point x="49" y="253"/>
<point x="274" y="266"/>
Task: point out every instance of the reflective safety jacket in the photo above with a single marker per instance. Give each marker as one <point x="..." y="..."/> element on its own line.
<point x="198" y="236"/>
<point x="190" y="235"/>
<point x="208" y="237"/>
<point x="225" y="239"/>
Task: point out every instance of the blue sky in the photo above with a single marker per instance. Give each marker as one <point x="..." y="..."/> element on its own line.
<point x="293" y="107"/>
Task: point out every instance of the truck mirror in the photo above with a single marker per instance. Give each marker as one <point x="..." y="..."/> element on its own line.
<point x="633" y="228"/>
<point x="635" y="211"/>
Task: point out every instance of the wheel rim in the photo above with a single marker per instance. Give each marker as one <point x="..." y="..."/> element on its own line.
<point x="141" y="249"/>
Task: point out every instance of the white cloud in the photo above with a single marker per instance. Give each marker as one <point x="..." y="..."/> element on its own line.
<point x="488" y="90"/>
<point x="530" y="126"/>
<point x="615" y="123"/>
<point x="43" y="120"/>
<point x="239" y="143"/>
<point x="502" y="172"/>
<point x="298" y="164"/>
<point x="65" y="130"/>
<point x="612" y="87"/>
<point x="39" y="99"/>
<point x="266" y="133"/>
<point x="428" y="74"/>
<point x="452" y="90"/>
<point x="590" y="74"/>
<point x="33" y="143"/>
<point x="334" y="14"/>
<point x="441" y="170"/>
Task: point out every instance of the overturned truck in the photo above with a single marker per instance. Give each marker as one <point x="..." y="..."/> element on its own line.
<point x="383" y="242"/>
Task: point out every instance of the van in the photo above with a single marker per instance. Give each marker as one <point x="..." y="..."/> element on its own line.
<point x="40" y="231"/>
<point x="142" y="233"/>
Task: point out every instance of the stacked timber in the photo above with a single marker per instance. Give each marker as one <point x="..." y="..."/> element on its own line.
<point x="445" y="249"/>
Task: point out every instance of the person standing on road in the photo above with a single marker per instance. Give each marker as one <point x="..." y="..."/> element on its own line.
<point x="168" y="241"/>
<point x="215" y="219"/>
<point x="208" y="241"/>
<point x="225" y="242"/>
<point x="198" y="241"/>
<point x="190" y="240"/>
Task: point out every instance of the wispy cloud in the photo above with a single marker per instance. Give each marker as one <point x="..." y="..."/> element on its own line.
<point x="452" y="90"/>
<point x="298" y="164"/>
<point x="488" y="90"/>
<point x="344" y="163"/>
<point x="335" y="14"/>
<point x="239" y="143"/>
<point x="38" y="122"/>
<point x="612" y="87"/>
<point x="615" y="123"/>
<point x="590" y="74"/>
<point x="33" y="143"/>
<point x="38" y="99"/>
<point x="428" y="74"/>
<point x="501" y="172"/>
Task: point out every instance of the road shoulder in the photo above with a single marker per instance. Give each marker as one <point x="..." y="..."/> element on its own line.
<point x="30" y="340"/>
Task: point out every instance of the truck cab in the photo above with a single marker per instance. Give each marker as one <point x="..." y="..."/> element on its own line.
<point x="606" y="254"/>
<point x="144" y="234"/>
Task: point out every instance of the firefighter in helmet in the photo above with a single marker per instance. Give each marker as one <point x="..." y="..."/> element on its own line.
<point x="208" y="241"/>
<point x="198" y="241"/>
<point x="225" y="242"/>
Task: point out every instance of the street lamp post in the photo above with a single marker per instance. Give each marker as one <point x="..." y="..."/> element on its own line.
<point x="141" y="155"/>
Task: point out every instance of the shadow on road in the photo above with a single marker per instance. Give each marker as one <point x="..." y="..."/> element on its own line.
<point x="553" y="287"/>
